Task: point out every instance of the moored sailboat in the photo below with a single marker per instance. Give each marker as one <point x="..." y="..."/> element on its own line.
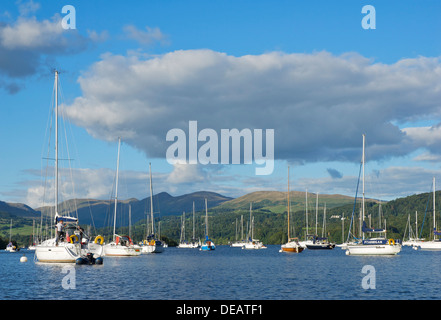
<point x="71" y="244"/>
<point x="120" y="245"/>
<point x="252" y="244"/>
<point x="208" y="244"/>
<point x="373" y="246"/>
<point x="194" y="243"/>
<point x="152" y="244"/>
<point x="11" y="247"/>
<point x="293" y="243"/>
<point x="435" y="243"/>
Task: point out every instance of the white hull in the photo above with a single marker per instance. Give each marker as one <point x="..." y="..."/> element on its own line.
<point x="292" y="246"/>
<point x="375" y="249"/>
<point x="255" y="245"/>
<point x="239" y="244"/>
<point x="305" y="243"/>
<point x="65" y="252"/>
<point x="345" y="245"/>
<point x="113" y="249"/>
<point x="152" y="248"/>
<point x="189" y="245"/>
<point x="429" y="245"/>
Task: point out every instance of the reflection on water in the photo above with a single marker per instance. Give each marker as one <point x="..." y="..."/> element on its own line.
<point x="224" y="274"/>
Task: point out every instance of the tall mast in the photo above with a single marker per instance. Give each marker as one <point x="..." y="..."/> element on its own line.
<point x="193" y="223"/>
<point x="316" y="213"/>
<point x="151" y="199"/>
<point x="363" y="159"/>
<point x="251" y="222"/>
<point x="288" y="206"/>
<point x="56" y="143"/>
<point x="116" y="190"/>
<point x="206" y="219"/>
<point x="434" y="223"/>
<point x="241" y="227"/>
<point x="306" y="211"/>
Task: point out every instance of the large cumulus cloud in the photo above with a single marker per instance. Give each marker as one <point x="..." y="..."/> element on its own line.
<point x="319" y="104"/>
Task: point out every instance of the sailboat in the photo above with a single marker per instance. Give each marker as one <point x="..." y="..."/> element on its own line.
<point x="293" y="243"/>
<point x="73" y="245"/>
<point x="412" y="239"/>
<point x="208" y="244"/>
<point x="435" y="243"/>
<point x="152" y="244"/>
<point x="252" y="243"/>
<point x="32" y="246"/>
<point x="121" y="245"/>
<point x="372" y="246"/>
<point x="320" y="243"/>
<point x="11" y="247"/>
<point x="238" y="243"/>
<point x="309" y="237"/>
<point x="194" y="243"/>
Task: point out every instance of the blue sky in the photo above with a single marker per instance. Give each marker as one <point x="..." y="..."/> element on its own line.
<point x="308" y="70"/>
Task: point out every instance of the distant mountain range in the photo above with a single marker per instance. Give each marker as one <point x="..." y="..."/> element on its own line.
<point x="18" y="209"/>
<point x="100" y="212"/>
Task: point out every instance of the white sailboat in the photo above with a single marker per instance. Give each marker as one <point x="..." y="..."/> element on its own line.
<point x="435" y="243"/>
<point x="194" y="243"/>
<point x="121" y="245"/>
<point x="412" y="239"/>
<point x="152" y="244"/>
<point x="71" y="247"/>
<point x="239" y="243"/>
<point x="293" y="243"/>
<point x="372" y="246"/>
<point x="252" y="243"/>
<point x="208" y="244"/>
<point x="11" y="247"/>
<point x="32" y="246"/>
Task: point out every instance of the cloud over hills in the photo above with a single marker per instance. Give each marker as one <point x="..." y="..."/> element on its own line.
<point x="319" y="104"/>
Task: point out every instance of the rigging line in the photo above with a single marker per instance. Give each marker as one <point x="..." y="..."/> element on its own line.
<point x="425" y="212"/>
<point x="68" y="152"/>
<point x="48" y="128"/>
<point x="355" y="201"/>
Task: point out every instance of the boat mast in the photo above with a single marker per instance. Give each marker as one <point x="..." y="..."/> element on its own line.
<point x="434" y="223"/>
<point x="363" y="159"/>
<point x="316" y="213"/>
<point x="251" y="222"/>
<point x="206" y="220"/>
<point x="288" y="205"/>
<point x="193" y="223"/>
<point x="116" y="190"/>
<point x="306" y="211"/>
<point x="56" y="143"/>
<point x="151" y="199"/>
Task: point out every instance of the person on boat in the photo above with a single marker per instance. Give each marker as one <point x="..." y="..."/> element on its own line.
<point x="59" y="229"/>
<point x="83" y="238"/>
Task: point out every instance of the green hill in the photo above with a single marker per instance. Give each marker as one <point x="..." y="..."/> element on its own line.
<point x="269" y="211"/>
<point x="276" y="201"/>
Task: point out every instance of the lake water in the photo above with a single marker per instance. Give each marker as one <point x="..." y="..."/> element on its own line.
<point x="226" y="274"/>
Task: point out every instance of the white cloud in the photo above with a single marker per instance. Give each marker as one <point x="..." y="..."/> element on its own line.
<point x="186" y="173"/>
<point x="150" y="36"/>
<point x="427" y="156"/>
<point x="319" y="104"/>
<point x="27" y="42"/>
<point x="385" y="184"/>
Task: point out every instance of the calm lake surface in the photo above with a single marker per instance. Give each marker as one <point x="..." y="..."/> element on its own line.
<point x="226" y="274"/>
